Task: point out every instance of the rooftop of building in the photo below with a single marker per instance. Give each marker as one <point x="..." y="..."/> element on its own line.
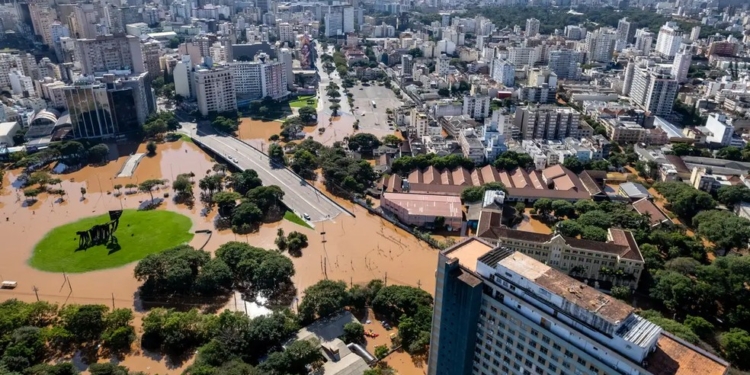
<point x="467" y="252"/>
<point x="674" y="356"/>
<point x="427" y="205"/>
<point x="646" y="206"/>
<point x="621" y="244"/>
<point x="339" y="358"/>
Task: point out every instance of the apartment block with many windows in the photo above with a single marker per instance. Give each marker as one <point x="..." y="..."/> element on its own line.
<point x="215" y="90"/>
<point x="499" y="311"/>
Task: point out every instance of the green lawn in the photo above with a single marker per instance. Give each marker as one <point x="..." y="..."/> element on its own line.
<point x="301" y="101"/>
<point x="139" y="233"/>
<point x="291" y="216"/>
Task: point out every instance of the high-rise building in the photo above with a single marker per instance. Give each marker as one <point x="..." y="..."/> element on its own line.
<point x="499" y="311"/>
<point x="695" y="33"/>
<point x="109" y="106"/>
<point x="600" y="44"/>
<point x="182" y="74"/>
<point x="151" y="54"/>
<point x="681" y="64"/>
<point x="565" y="62"/>
<point x="7" y="63"/>
<point x="42" y="18"/>
<point x="625" y="30"/>
<point x="407" y="64"/>
<point x="669" y="39"/>
<point x="573" y="32"/>
<point x="58" y="30"/>
<point x="286" y="33"/>
<point x="504" y="72"/>
<point x="285" y="56"/>
<point x="84" y="21"/>
<point x="110" y="52"/>
<point x="520" y="56"/>
<point x="644" y="40"/>
<point x="21" y="84"/>
<point x="654" y="88"/>
<point x="215" y="90"/>
<point x="477" y="105"/>
<point x="260" y="78"/>
<point x="627" y="81"/>
<point x="347" y="19"/>
<point x="546" y="122"/>
<point x="442" y="65"/>
<point x="532" y="27"/>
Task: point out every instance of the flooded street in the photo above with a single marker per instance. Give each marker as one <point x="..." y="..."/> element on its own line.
<point x="354" y="249"/>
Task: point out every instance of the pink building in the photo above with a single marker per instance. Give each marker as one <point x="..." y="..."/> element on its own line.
<point x="423" y="209"/>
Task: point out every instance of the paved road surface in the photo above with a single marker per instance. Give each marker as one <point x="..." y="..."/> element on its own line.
<point x="299" y="196"/>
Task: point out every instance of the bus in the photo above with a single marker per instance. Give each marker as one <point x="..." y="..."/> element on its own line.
<point x="373" y="104"/>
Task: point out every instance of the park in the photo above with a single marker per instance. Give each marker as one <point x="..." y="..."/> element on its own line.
<point x="139" y="233"/>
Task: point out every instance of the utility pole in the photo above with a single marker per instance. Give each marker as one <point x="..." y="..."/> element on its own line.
<point x="113" y="301"/>
<point x="36" y="292"/>
<point x="386" y="279"/>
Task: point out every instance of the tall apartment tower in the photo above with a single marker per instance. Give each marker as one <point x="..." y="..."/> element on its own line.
<point x="565" y="62"/>
<point x="681" y="64"/>
<point x="654" y="89"/>
<point x="407" y="65"/>
<point x="151" y="54"/>
<point x="504" y="72"/>
<point x="695" y="33"/>
<point x="42" y="18"/>
<point x="644" y="40"/>
<point x="532" y="27"/>
<point x="214" y="90"/>
<point x="499" y="311"/>
<point x="625" y="30"/>
<point x="600" y="44"/>
<point x="669" y="39"/>
<point x="110" y="52"/>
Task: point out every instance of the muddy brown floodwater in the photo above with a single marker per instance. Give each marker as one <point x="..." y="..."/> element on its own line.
<point x="354" y="249"/>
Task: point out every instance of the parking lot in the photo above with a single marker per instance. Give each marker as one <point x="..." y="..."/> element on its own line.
<point x="374" y="120"/>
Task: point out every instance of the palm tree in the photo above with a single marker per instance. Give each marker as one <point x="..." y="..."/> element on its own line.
<point x="576" y="271"/>
<point x="218" y="167"/>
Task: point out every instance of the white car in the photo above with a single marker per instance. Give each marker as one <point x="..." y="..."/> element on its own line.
<point x="306" y="216"/>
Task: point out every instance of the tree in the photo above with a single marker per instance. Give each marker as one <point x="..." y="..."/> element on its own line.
<point x="99" y="153"/>
<point x="296" y="241"/>
<point x="729" y="153"/>
<point x="171" y="272"/>
<point x="622" y="293"/>
<point x="562" y="209"/>
<point x="151" y="148"/>
<point x="732" y="195"/>
<point x="594" y="233"/>
<point x="391" y="140"/>
<point x="246" y="213"/>
<point x="596" y="218"/>
<point x="585" y="205"/>
<point x="444" y="92"/>
<point x="323" y="299"/>
<point x="569" y="228"/>
<point x="85" y="322"/>
<point x="381" y="351"/>
<point x="543" y="206"/>
<point x="700" y="326"/>
<point x="723" y="228"/>
<point x="363" y="143"/>
<point x="226" y="200"/>
<point x="182" y="185"/>
<point x="295" y="359"/>
<point x="307" y="114"/>
<point x="684" y="200"/>
<point x="243" y="181"/>
<point x="83" y="192"/>
<point x="673" y="289"/>
<point x="31" y="193"/>
<point x="276" y="152"/>
<point x="267" y="198"/>
<point x="353" y="333"/>
<point x="575" y="165"/>
<point x="154" y="127"/>
<point x="148" y="186"/>
<point x="304" y="163"/>
<point x="736" y="347"/>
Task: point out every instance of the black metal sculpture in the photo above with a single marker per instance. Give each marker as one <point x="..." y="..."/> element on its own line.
<point x="100" y="233"/>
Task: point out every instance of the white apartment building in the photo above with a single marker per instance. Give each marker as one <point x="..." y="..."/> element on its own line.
<point x="564" y="63"/>
<point x="471" y="146"/>
<point x="42" y="18"/>
<point x="110" y="52"/>
<point x="681" y="65"/>
<point x="504" y="72"/>
<point x="644" y="40"/>
<point x="547" y="122"/>
<point x="215" y="90"/>
<point x="669" y="39"/>
<point x="182" y="74"/>
<point x="20" y="83"/>
<point x="477" y="106"/>
<point x="520" y="56"/>
<point x="7" y="63"/>
<point x="653" y="89"/>
<point x="286" y="32"/>
<point x="442" y="65"/>
<point x="721" y="129"/>
<point x="600" y="44"/>
<point x="260" y="78"/>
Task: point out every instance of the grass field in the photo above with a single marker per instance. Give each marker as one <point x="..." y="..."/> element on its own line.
<point x="291" y="216"/>
<point x="139" y="233"/>
<point x="301" y="101"/>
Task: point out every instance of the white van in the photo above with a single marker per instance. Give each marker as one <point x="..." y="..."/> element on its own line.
<point x="9" y="285"/>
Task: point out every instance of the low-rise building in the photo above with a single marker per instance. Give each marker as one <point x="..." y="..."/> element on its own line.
<point x="423" y="209"/>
